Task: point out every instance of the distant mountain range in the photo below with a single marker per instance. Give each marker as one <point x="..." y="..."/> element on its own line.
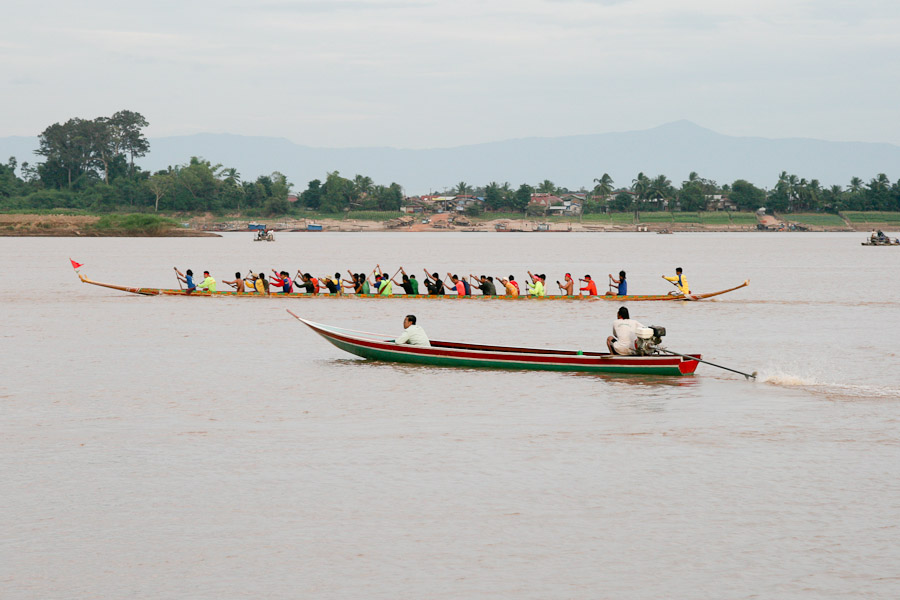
<point x="674" y="149"/>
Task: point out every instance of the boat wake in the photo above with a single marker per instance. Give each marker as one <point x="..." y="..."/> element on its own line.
<point x="831" y="389"/>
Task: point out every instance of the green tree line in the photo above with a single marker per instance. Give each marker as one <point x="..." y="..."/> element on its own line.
<point x="89" y="164"/>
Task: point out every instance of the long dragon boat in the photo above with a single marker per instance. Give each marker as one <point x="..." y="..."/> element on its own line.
<point x="373" y="346"/>
<point x="148" y="291"/>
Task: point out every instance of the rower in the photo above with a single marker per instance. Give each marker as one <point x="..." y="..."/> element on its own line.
<point x="283" y="280"/>
<point x="434" y="284"/>
<point x="458" y="285"/>
<point x="208" y="284"/>
<point x="590" y="287"/>
<point x="620" y="284"/>
<point x="237" y="283"/>
<point x="567" y="287"/>
<point x="679" y="281"/>
<point x="536" y="288"/>
<point x="188" y="279"/>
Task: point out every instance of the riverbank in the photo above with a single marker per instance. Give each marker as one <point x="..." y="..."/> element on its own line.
<point x="445" y="222"/>
<point x="40" y="225"/>
<point x="12" y="225"/>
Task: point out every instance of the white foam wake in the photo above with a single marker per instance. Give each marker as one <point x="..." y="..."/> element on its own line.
<point x="820" y="385"/>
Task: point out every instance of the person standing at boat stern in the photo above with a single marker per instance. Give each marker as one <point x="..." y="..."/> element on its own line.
<point x="412" y="334"/>
<point x="624" y="334"/>
<point x="679" y="281"/>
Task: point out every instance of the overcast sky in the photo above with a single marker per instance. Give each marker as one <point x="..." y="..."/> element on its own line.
<point x="435" y="73"/>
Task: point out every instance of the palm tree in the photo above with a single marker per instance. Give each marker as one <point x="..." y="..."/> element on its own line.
<point x="362" y="185"/>
<point x="640" y="185"/>
<point x="659" y="188"/>
<point x="604" y="186"/>
<point x="547" y="187"/>
<point x="463" y="188"/>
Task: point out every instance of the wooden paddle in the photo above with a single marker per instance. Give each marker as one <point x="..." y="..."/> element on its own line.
<point x="180" y="287"/>
<point x="676" y="286"/>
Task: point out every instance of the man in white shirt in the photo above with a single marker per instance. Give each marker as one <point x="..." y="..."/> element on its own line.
<point x="412" y="334"/>
<point x="624" y="334"/>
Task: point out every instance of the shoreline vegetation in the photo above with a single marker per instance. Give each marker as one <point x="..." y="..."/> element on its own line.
<point x="88" y="184"/>
<point x="208" y="225"/>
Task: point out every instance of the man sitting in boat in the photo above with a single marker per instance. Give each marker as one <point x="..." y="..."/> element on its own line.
<point x="624" y="334"/>
<point x="680" y="282"/>
<point x="412" y="334"/>
<point x="208" y="284"/>
<point x="620" y="284"/>
<point x="536" y="287"/>
<point x="333" y="285"/>
<point x="283" y="280"/>
<point x="237" y="283"/>
<point x="511" y="290"/>
<point x="589" y="286"/>
<point x="187" y="279"/>
<point x="257" y="283"/>
<point x="434" y="284"/>
<point x="307" y="283"/>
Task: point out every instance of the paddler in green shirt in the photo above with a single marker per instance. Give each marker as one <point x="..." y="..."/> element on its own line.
<point x="208" y="284"/>
<point x="536" y="288"/>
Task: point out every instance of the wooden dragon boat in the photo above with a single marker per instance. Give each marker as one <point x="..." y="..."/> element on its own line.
<point x="373" y="346"/>
<point x="147" y="291"/>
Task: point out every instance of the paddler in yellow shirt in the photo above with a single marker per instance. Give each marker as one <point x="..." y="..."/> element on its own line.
<point x="257" y="283"/>
<point x="680" y="282"/>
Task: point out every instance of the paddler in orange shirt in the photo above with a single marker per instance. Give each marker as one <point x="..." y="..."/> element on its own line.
<point x="590" y="288"/>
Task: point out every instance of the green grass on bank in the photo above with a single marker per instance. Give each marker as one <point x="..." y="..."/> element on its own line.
<point x="140" y="223"/>
<point x="815" y="219"/>
<point x="874" y="216"/>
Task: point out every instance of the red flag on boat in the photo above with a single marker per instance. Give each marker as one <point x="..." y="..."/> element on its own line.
<point x="75" y="265"/>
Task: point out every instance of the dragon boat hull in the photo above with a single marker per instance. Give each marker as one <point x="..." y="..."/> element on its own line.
<point x="147" y="291"/>
<point x="452" y="354"/>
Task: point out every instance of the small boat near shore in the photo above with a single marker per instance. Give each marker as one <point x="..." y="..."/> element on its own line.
<point x="149" y="291"/>
<point x="372" y="346"/>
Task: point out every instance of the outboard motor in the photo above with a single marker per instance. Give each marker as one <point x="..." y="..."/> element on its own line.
<point x="649" y="339"/>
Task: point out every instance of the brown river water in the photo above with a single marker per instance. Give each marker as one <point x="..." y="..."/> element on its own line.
<point x="216" y="448"/>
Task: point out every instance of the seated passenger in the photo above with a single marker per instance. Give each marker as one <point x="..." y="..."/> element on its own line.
<point x="624" y="336"/>
<point x="412" y="333"/>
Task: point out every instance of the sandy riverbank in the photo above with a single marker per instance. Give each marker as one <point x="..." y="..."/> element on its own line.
<point x="440" y="223"/>
<point x="208" y="225"/>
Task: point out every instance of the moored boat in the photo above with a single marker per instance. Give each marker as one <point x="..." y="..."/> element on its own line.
<point x="373" y="346"/>
<point x="149" y="291"/>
